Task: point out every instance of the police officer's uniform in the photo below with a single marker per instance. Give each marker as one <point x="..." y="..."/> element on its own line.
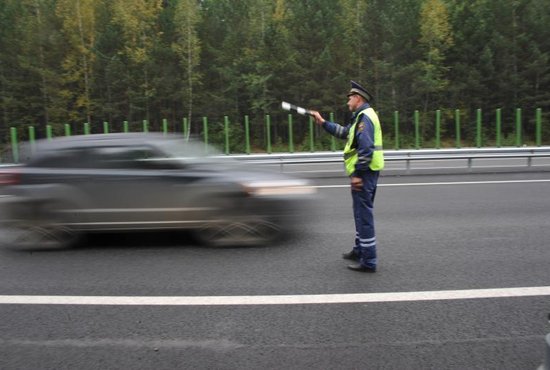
<point x="363" y="157"/>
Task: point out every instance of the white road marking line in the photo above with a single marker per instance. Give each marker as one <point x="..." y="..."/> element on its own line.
<point x="277" y="299"/>
<point x="445" y="183"/>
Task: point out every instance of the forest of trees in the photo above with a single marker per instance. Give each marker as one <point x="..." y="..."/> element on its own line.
<point x="76" y="61"/>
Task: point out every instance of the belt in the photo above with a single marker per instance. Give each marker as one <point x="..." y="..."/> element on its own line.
<point x="349" y="154"/>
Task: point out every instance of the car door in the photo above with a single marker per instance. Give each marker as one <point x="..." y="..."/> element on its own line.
<point x="134" y="187"/>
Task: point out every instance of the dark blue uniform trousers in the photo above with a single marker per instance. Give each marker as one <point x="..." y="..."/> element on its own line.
<point x="363" y="212"/>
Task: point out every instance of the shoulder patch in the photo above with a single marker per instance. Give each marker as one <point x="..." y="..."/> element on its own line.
<point x="360" y="127"/>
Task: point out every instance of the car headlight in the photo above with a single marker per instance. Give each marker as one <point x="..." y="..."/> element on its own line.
<point x="279" y="188"/>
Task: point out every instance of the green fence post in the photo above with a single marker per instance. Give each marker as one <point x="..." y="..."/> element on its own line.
<point x="105" y="127"/>
<point x="226" y="133"/>
<point x="290" y="135"/>
<point x="518" y="127"/>
<point x="184" y="127"/>
<point x="396" y="124"/>
<point x="205" y="131"/>
<point x="499" y="127"/>
<point x="268" y="132"/>
<point x="538" y="129"/>
<point x="332" y="138"/>
<point x="247" y="134"/>
<point x="311" y="135"/>
<point x="67" y="129"/>
<point x="125" y="127"/>
<point x="49" y="134"/>
<point x="478" y="128"/>
<point x="416" y="129"/>
<point x="145" y="126"/>
<point x="457" y="128"/>
<point x="14" y="144"/>
<point x="32" y="136"/>
<point x="86" y="128"/>
<point x="438" y="129"/>
<point x="164" y="126"/>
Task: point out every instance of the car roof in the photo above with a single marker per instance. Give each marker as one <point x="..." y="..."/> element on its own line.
<point x="102" y="140"/>
<point x="29" y="150"/>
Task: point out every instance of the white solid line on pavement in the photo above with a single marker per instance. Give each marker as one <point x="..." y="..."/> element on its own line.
<point x="447" y="183"/>
<point x="276" y="299"/>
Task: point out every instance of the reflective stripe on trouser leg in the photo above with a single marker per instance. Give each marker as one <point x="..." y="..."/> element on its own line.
<point x="363" y="203"/>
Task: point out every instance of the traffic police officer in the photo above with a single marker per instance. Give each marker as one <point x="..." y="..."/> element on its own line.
<point x="363" y="159"/>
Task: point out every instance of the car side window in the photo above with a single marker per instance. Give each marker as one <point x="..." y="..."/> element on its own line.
<point x="65" y="158"/>
<point x="130" y="157"/>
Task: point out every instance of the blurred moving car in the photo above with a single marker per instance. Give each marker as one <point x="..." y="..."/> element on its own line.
<point x="69" y="186"/>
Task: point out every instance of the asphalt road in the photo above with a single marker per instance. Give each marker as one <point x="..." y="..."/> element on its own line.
<point x="440" y="234"/>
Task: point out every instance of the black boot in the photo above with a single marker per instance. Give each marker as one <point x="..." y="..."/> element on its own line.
<point x="361" y="268"/>
<point x="353" y="255"/>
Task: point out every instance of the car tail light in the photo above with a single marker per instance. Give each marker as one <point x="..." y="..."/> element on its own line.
<point x="9" y="177"/>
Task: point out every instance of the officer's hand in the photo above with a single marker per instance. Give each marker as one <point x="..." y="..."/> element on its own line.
<point x="356" y="183"/>
<point x="318" y="118"/>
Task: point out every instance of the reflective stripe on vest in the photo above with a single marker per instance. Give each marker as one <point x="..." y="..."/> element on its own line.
<point x="350" y="152"/>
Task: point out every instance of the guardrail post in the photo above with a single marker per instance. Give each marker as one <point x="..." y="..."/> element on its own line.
<point x="538" y="129"/>
<point x="14" y="145"/>
<point x="518" y="127"/>
<point x="125" y="127"/>
<point x="105" y="127"/>
<point x="311" y="136"/>
<point x="268" y="132"/>
<point x="438" y="129"/>
<point x="247" y="134"/>
<point x="49" y="134"/>
<point x="290" y="135"/>
<point x="478" y="128"/>
<point x="332" y="138"/>
<point x="457" y="123"/>
<point x="396" y="124"/>
<point x="416" y="130"/>
<point x="499" y="128"/>
<point x="226" y="133"/>
<point x="67" y="129"/>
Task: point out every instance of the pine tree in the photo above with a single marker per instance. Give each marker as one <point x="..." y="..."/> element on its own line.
<point x="78" y="20"/>
<point x="187" y="48"/>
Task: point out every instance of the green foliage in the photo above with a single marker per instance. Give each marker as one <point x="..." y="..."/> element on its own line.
<point x="76" y="61"/>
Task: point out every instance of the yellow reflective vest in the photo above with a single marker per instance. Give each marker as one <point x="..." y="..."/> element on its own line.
<point x="350" y="151"/>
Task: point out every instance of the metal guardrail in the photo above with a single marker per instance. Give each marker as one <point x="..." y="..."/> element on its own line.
<point x="407" y="156"/>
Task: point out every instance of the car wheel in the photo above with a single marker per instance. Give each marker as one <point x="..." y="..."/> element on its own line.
<point x="45" y="230"/>
<point x="239" y="233"/>
<point x="24" y="235"/>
